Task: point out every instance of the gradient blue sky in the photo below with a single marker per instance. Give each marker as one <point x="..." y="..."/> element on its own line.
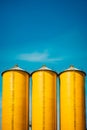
<point x="37" y="32"/>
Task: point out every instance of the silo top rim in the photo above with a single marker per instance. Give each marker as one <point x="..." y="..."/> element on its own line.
<point x="15" y="68"/>
<point x="72" y="68"/>
<point x="44" y="68"/>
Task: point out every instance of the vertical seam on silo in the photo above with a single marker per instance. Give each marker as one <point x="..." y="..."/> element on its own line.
<point x="59" y="105"/>
<point x="74" y="103"/>
<point x="25" y="102"/>
<point x="31" y="99"/>
<point x="52" y="105"/>
<point x="55" y="107"/>
<point x="28" y="102"/>
<point x="13" y="101"/>
<point x="43" y="100"/>
<point x="55" y="100"/>
<point x="84" y="104"/>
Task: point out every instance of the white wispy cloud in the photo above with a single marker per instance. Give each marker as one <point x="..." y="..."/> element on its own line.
<point x="38" y="57"/>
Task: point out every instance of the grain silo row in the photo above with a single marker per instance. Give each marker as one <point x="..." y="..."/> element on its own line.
<point x="15" y="99"/>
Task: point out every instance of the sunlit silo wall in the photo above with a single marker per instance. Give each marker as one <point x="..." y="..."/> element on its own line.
<point x="72" y="100"/>
<point x="44" y="105"/>
<point x="15" y="99"/>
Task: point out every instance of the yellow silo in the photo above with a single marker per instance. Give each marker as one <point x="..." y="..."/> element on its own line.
<point x="15" y="108"/>
<point x="72" y="99"/>
<point x="44" y="108"/>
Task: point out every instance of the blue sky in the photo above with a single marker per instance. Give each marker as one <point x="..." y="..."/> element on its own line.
<point x="37" y="32"/>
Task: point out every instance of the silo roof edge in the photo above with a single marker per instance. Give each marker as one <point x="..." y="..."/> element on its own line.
<point x="72" y="68"/>
<point x="15" y="68"/>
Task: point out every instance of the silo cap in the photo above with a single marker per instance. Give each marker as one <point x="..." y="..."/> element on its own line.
<point x="44" y="68"/>
<point x="72" y="68"/>
<point x="15" y="68"/>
